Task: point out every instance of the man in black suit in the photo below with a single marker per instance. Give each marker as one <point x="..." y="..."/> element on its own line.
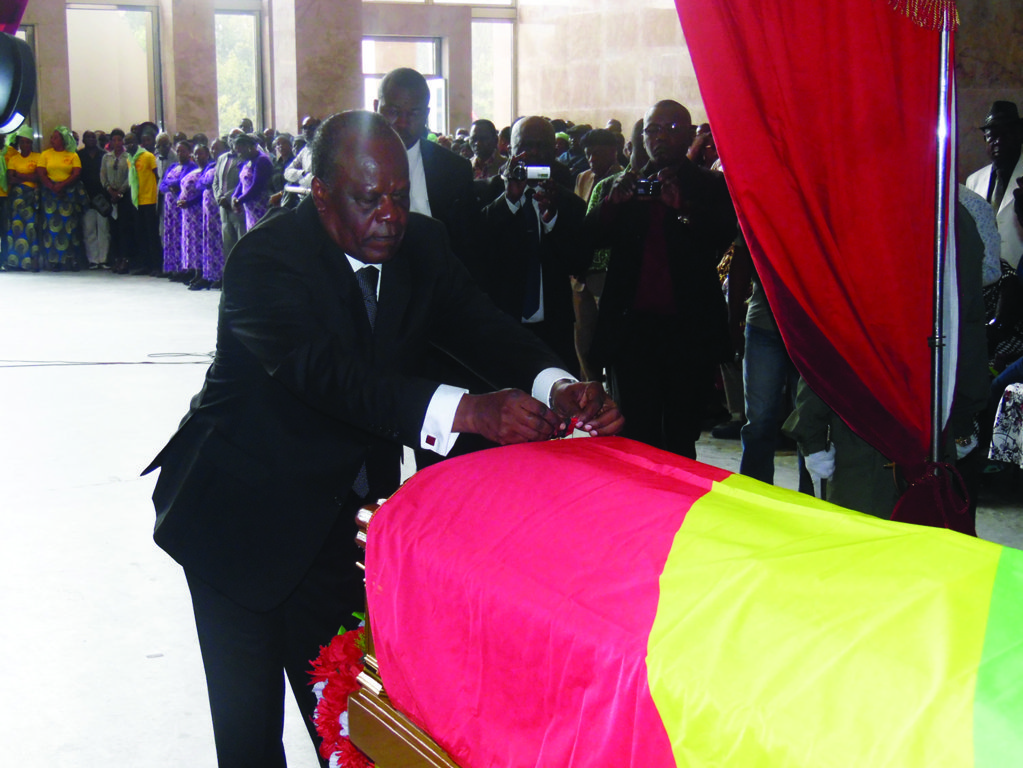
<point x="441" y="180"/>
<point x="534" y="234"/>
<point x="662" y="323"/>
<point x="326" y="310"/>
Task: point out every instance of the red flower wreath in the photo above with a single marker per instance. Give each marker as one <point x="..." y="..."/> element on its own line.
<point x="337" y="668"/>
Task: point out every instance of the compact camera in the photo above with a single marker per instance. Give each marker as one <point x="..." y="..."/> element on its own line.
<point x="531" y="174"/>
<point x="648" y="187"/>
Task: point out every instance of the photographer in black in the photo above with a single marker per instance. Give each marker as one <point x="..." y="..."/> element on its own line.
<point x="534" y="230"/>
<point x="662" y="324"/>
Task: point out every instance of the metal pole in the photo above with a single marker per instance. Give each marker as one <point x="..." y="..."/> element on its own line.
<point x="940" y="245"/>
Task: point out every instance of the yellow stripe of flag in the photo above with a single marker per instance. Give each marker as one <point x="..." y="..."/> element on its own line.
<point x="790" y="632"/>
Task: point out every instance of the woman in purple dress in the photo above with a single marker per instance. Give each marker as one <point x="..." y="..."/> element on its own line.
<point x="213" y="235"/>
<point x="190" y="203"/>
<point x="252" y="195"/>
<point x="170" y="188"/>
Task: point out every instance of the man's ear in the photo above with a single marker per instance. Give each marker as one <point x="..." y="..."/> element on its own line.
<point x="319" y="192"/>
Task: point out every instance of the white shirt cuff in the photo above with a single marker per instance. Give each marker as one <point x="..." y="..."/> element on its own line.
<point x="548" y="225"/>
<point x="545" y="381"/>
<point x="440" y="417"/>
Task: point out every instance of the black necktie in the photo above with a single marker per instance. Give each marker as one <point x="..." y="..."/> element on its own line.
<point x="367" y="277"/>
<point x="531" y="297"/>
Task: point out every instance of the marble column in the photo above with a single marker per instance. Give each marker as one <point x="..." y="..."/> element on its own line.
<point x="189" y="46"/>
<point x="317" y="67"/>
<point x="53" y="85"/>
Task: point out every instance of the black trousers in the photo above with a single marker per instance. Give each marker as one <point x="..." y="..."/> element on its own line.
<point x="661" y="380"/>
<point x="149" y="247"/>
<point x="246" y="653"/>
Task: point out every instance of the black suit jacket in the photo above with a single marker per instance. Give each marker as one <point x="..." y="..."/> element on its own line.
<point x="563" y="253"/>
<point x="302" y="392"/>
<point x="694" y="249"/>
<point x="453" y="200"/>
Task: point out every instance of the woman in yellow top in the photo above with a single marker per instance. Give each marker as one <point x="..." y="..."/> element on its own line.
<point x="21" y="246"/>
<point x="58" y="171"/>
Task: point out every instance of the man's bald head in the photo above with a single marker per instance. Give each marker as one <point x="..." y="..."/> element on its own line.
<point x="533" y="136"/>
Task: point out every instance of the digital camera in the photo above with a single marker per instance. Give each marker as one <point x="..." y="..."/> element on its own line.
<point x="648" y="187"/>
<point x="531" y="174"/>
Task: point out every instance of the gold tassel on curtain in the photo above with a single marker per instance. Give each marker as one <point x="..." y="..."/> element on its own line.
<point x="929" y="14"/>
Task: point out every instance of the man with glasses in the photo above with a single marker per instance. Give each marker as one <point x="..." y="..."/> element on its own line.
<point x="662" y="325"/>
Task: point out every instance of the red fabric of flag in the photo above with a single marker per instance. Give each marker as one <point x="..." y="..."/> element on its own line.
<point x="825" y="118"/>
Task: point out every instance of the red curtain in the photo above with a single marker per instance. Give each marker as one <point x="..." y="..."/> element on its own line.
<point x="825" y="114"/>
<point x="11" y="12"/>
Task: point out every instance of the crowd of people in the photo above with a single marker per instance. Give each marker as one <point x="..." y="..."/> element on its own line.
<point x="569" y="228"/>
<point x="620" y="252"/>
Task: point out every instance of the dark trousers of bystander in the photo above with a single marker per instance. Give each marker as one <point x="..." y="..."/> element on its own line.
<point x="148" y="255"/>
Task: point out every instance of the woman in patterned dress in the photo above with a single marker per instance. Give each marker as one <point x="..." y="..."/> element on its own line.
<point x="190" y="203"/>
<point x="213" y="234"/>
<point x="170" y="188"/>
<point x="252" y="195"/>
<point x="57" y="173"/>
<point x="21" y="244"/>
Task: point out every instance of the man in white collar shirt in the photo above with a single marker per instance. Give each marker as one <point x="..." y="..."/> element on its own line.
<point x="999" y="183"/>
<point x="441" y="180"/>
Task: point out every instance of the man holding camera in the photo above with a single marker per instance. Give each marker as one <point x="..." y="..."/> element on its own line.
<point x="534" y="228"/>
<point x="662" y="324"/>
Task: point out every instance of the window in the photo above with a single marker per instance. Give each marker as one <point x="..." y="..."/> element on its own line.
<point x="382" y="54"/>
<point x="112" y="84"/>
<point x="492" y="67"/>
<point x="238" y="68"/>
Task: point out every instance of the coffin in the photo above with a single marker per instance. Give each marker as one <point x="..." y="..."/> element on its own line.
<point x="599" y="603"/>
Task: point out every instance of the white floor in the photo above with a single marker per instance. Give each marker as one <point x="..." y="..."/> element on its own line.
<point x="99" y="664"/>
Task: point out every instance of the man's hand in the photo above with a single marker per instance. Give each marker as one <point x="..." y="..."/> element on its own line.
<point x="623" y="188"/>
<point x="547" y="200"/>
<point x="514" y="189"/>
<point x="506" y="417"/>
<point x="586" y="401"/>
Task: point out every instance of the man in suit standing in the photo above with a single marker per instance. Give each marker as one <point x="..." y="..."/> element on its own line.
<point x="441" y="180"/>
<point x="662" y="322"/>
<point x="535" y="244"/>
<point x="225" y="181"/>
<point x="999" y="183"/>
<point x="326" y="311"/>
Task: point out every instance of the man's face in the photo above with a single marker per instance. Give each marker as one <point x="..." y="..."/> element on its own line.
<point x="406" y="110"/>
<point x="131" y="143"/>
<point x="1004" y="143"/>
<point x="533" y="137"/>
<point x="309" y="126"/>
<point x="601" y="158"/>
<point x="117" y="144"/>
<point x="668" y="133"/>
<point x="365" y="207"/>
<point x="245" y="125"/>
<point x="89" y="140"/>
<point x="482" y="140"/>
<point x="282" y="147"/>
<point x="163" y="146"/>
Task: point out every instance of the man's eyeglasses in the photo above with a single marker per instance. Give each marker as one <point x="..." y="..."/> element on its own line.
<point x="656" y="129"/>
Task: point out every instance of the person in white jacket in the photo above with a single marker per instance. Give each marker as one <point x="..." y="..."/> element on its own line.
<point x="999" y="183"/>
